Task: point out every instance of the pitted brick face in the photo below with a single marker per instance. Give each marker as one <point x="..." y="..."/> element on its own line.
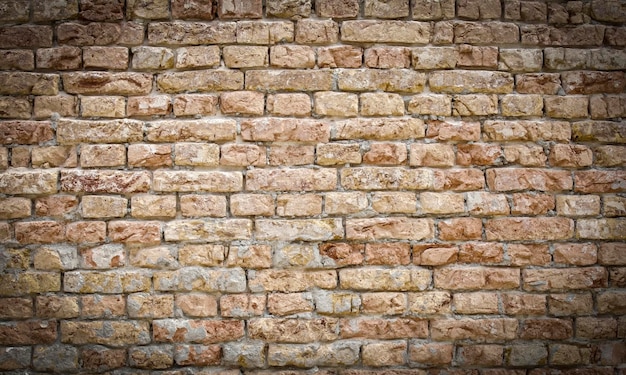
<point x="331" y="187"/>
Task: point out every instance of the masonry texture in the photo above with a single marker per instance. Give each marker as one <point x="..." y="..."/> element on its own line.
<point x="340" y="187"/>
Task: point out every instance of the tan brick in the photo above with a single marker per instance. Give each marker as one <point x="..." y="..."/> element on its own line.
<point x="390" y="80"/>
<point x="480" y="355"/>
<point x="576" y="254"/>
<point x="394" y="202"/>
<point x="47" y="106"/>
<point x="442" y="203"/>
<point x="207" y="231"/>
<point x="468" y="278"/>
<point x="520" y="60"/>
<point x="102" y="156"/>
<point x="328" y="103"/>
<point x="474" y="105"/>
<point x="103" y="257"/>
<point x="95" y="206"/>
<point x="252" y="205"/>
<point x="149" y="156"/>
<point x="194" y="181"/>
<point x="477" y="56"/>
<point x="195" y="104"/>
<point x="564" y="279"/>
<point x="611" y="302"/>
<point x="433" y="254"/>
<point x="195" y="205"/>
<point x="242" y="103"/>
<point x="551" y="329"/>
<point x="12" y="107"/>
<point x="239" y="9"/>
<point x="253" y="256"/>
<point x="291" y="155"/>
<point x="20" y="157"/>
<point x="286" y="9"/>
<point x="339" y="57"/>
<point x="105" y="83"/>
<point x="196" y="154"/>
<point x="202" y="255"/>
<point x="479" y="81"/>
<point x="144" y="305"/>
<point x="299" y="230"/>
<point x="600" y="131"/>
<point x="103" y="106"/>
<point x="298" y="205"/>
<point x="430" y="353"/>
<point x="479" y="330"/>
<point x="242" y="305"/>
<point x="379" y="279"/>
<point x="529" y="254"/>
<point x="147" y="206"/>
<point x="16" y="308"/>
<point x="385" y="153"/>
<point x="201" y="279"/>
<point x="566" y="106"/>
<point x="471" y="9"/>
<point x="25" y="36"/>
<point x="611" y="254"/>
<point x="290" y="281"/>
<point x="427" y="10"/>
<point x="371" y="31"/>
<point x="598" y="181"/>
<point x="259" y="32"/>
<point x="54" y="156"/>
<point x="114" y="58"/>
<point x="298" y="105"/>
<point x="384" y="303"/>
<point x="607" y="106"/>
<point x="185" y="9"/>
<point x="383" y="9"/>
<point x="291" y="179"/>
<point x="340" y="203"/>
<point x="156" y="105"/>
<point x="14" y="208"/>
<point x="289" y="80"/>
<point x="592" y="82"/>
<point x="293" y="330"/>
<point x="605" y="229"/>
<point x="524" y="304"/>
<point x="431" y="155"/>
<point x="159" y="257"/>
<point x="292" y="56"/>
<point x="200" y="81"/>
<point x="282" y="304"/>
<point x="147" y="9"/>
<point x="197" y="56"/>
<point x="212" y="331"/>
<point x="476" y="303"/>
<point x="125" y="333"/>
<point x="86" y="232"/>
<point x="309" y="31"/>
<point x="528" y="156"/>
<point x="379" y="129"/>
<point x="460" y="229"/>
<point x="453" y="131"/>
<point x="522" y="105"/>
<point x="112" y="131"/>
<point x="389" y="254"/>
<point x="574" y="205"/>
<point x="245" y="56"/>
<point x="430" y="104"/>
<point x="381" y="104"/>
<point x="293" y="130"/>
<point x="485" y="33"/>
<point x="196" y="305"/>
<point x="527" y="131"/>
<point x="25" y="132"/>
<point x="131" y="232"/>
<point x="389" y="228"/>
<point x="507" y="179"/>
<point x="17" y="59"/>
<point x="388" y="353"/>
<point x="538" y="83"/>
<point x="428" y="58"/>
<point x="387" y="57"/>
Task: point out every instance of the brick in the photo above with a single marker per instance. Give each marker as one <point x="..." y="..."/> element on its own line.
<point x="600" y="131"/>
<point x="105" y="83"/>
<point x="429" y="303"/>
<point x="379" y="279"/>
<point x="298" y="205"/>
<point x="478" y="154"/>
<point x="29" y="282"/>
<point x="430" y="353"/>
<point x="195" y="104"/>
<point x="522" y="105"/>
<point x="508" y="179"/>
<point x="605" y="229"/>
<point x="191" y="33"/>
<point x="20" y="157"/>
<point x="198" y="355"/>
<point x="252" y="205"/>
<point x="147" y="9"/>
<point x="103" y="306"/>
<point x="288" y="9"/>
<point x="244" y="354"/>
<point x="102" y="10"/>
<point x="481" y="253"/>
<point x="385" y="153"/>
<point x="453" y="131"/>
<point x="37" y="232"/>
<point x="339" y="57"/>
<point x="485" y="33"/>
<point x="291" y="180"/>
<point x="309" y="31"/>
<point x="25" y="132"/>
<point x="289" y="80"/>
<point x="298" y="105"/>
<point x="573" y="205"/>
<point x="25" y="36"/>
<point x="460" y="229"/>
<point x="607" y="106"/>
<point x="396" y="202"/>
<point x="566" y="107"/>
<point x="476" y="278"/>
<point x="257" y="32"/>
<point x="102" y="156"/>
<point x="293" y="330"/>
<point x="433" y="254"/>
<point x="328" y="103"/>
<point x="475" y="303"/>
<point x="14" y="208"/>
<point x="149" y="156"/>
<point x="538" y="83"/>
<point x="389" y="228"/>
<point x="151" y="357"/>
<point x="520" y="60"/>
<point x="524" y="304"/>
<point x="598" y="181"/>
<point x="102" y="181"/>
<point x="379" y="129"/>
<point x="483" y="355"/>
<point x="148" y="106"/>
<point x="16" y="308"/>
<point x="159" y="257"/>
<point x="527" y="131"/>
<point x="292" y="56"/>
<point x="194" y="205"/>
<point x="582" y="35"/>
<point x="611" y="302"/>
<point x="477" y="56"/>
<point x="370" y="31"/>
<point x="17" y="59"/>
<point x="95" y="206"/>
<point x="13" y="358"/>
<point x="386" y="303"/>
<point x="478" y="330"/>
<point x="459" y="179"/>
<point x="146" y="206"/>
<point x="291" y="281"/>
<point x="196" y="305"/>
<point x="207" y="231"/>
<point x="588" y="82"/>
<point x="333" y="354"/>
<point x="528" y="156"/>
<point x="394" y="353"/>
<point x="427" y="10"/>
<point x="56" y="307"/>
<point x="532" y="204"/>
<point x="564" y="279"/>
<point x="239" y="9"/>
<point x="57" y="257"/>
<point x="529" y="254"/>
<point x="197" y="57"/>
<point x="431" y="155"/>
<point x="82" y="232"/>
<point x="47" y="106"/>
<point x="124" y="333"/>
<point x="103" y="257"/>
<point x="192" y="130"/>
<point x="430" y="104"/>
<point x="386" y="178"/>
<point x="27" y="333"/>
<point x="11" y="107"/>
<point x="282" y="304"/>
<point x="242" y="103"/>
<point x="299" y="230"/>
<point x="202" y="255"/>
<point x="391" y="80"/>
<point x="611" y="254"/>
<point x="551" y="329"/>
<point x="441" y="203"/>
<point x="345" y="202"/>
<point x="527" y="228"/>
<point x="387" y="57"/>
<point x="202" y="280"/>
<point x="194" y="181"/>
<point x="474" y="10"/>
<point x="103" y="106"/>
<point x="474" y="105"/>
<point x="59" y="58"/>
<point x="566" y="58"/>
<point x="17" y="259"/>
<point x="381" y="104"/>
<point x="200" y="81"/>
<point x="526" y="355"/>
<point x="245" y="56"/>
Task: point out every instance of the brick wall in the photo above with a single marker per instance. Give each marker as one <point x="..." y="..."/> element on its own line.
<point x="243" y="186"/>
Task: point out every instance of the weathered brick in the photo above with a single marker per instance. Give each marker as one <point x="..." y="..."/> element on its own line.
<point x="194" y="181"/>
<point x="538" y="83"/>
<point x="195" y="104"/>
<point x="200" y="81"/>
<point x="601" y="229"/>
<point x="339" y="57"/>
<point x="260" y="32"/>
<point x="102" y="156"/>
<point x="34" y="332"/>
<point x="591" y="82"/>
<point x="293" y="330"/>
<point x="492" y="32"/>
<point x="201" y="279"/>
<point x="152" y="206"/>
<point x="564" y="279"/>
<point x="291" y="281"/>
<point x="599" y="131"/>
<point x="391" y="80"/>
<point x="148" y="105"/>
<point x="289" y="9"/>
<point x="192" y="130"/>
<point x="479" y="330"/>
<point x="50" y="106"/>
<point x="17" y="59"/>
<point x="524" y="304"/>
<point x="191" y="33"/>
<point x="207" y="231"/>
<point x="427" y="10"/>
<point x="430" y="104"/>
<point x="103" y="306"/>
<point x="25" y="36"/>
<point x="468" y="278"/>
<point x="430" y="353"/>
<point x="105" y="83"/>
<point x="378" y="129"/>
<point x="103" y="181"/>
<point x="149" y="156"/>
<point x="196" y="305"/>
<point x="289" y="80"/>
<point x="24" y="283"/>
<point x="611" y="254"/>
<point x="333" y="354"/>
<point x="520" y="60"/>
<point x="197" y="355"/>
<point x="196" y="205"/>
<point x="291" y="179"/>
<point x="123" y="332"/>
<point x="298" y="105"/>
<point x="103" y="106"/>
<point x="242" y="103"/>
<point x="12" y="358"/>
<point x="94" y="206"/>
<point x="599" y="181"/>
